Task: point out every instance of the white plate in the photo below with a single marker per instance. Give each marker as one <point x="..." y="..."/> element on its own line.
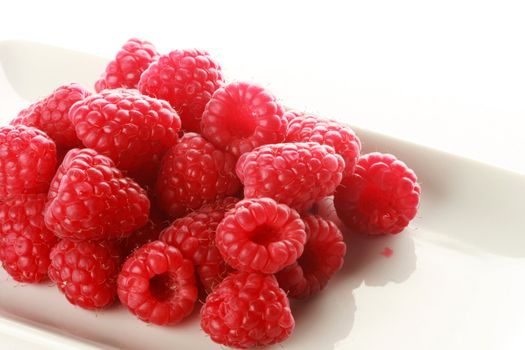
<point x="456" y="279"/>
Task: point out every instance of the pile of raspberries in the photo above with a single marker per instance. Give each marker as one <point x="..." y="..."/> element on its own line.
<point x="168" y="185"/>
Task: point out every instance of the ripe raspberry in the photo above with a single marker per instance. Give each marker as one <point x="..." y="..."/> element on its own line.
<point x="90" y="199"/>
<point x="260" y="235"/>
<point x="289" y="115"/>
<point x="25" y="242"/>
<point x="194" y="236"/>
<point x="51" y="115"/>
<point x="323" y="256"/>
<point x="157" y="284"/>
<point x="247" y="310"/>
<point x="125" y="70"/>
<point x="193" y="173"/>
<point x="186" y="79"/>
<point x="381" y="197"/>
<point x="27" y="160"/>
<point x="308" y="128"/>
<point x="146" y="234"/>
<point x="242" y="116"/>
<point x="130" y="128"/>
<point x="86" y="272"/>
<point x="296" y="174"/>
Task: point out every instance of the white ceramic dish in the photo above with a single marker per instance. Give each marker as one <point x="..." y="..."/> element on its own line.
<point x="456" y="279"/>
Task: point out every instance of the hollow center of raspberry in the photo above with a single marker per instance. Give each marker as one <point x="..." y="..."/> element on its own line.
<point x="265" y="235"/>
<point x="242" y="122"/>
<point x="309" y="260"/>
<point x="162" y="287"/>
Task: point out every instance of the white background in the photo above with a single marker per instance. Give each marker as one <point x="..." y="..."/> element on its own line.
<point x="449" y="73"/>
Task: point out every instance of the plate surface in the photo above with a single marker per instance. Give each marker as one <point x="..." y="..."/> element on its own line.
<point x="456" y="279"/>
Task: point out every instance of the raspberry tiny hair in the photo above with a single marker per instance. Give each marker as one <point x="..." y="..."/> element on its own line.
<point x="381" y="197"/>
<point x="157" y="284"/>
<point x="194" y="236"/>
<point x="323" y="256"/>
<point x="247" y="310"/>
<point x="310" y="128"/>
<point x="25" y="242"/>
<point x="295" y="174"/>
<point x="242" y="116"/>
<point x="186" y="79"/>
<point x="131" y="60"/>
<point x="193" y="173"/>
<point x="86" y="272"/>
<point x="260" y="235"/>
<point x="130" y="128"/>
<point x="90" y="199"/>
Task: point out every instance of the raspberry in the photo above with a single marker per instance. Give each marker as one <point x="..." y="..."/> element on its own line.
<point x="241" y="116"/>
<point x="51" y="115"/>
<point x="381" y="197"/>
<point x="260" y="235"/>
<point x="295" y="174"/>
<point x="247" y="310"/>
<point x="194" y="236"/>
<point x="25" y="242"/>
<point x="157" y="284"/>
<point x="27" y="160"/>
<point x="289" y="115"/>
<point x="187" y="80"/>
<point x="125" y="70"/>
<point x="194" y="173"/>
<point x="86" y="272"/>
<point x="130" y="128"/>
<point x="90" y="199"/>
<point x="322" y="258"/>
<point x="308" y="128"/>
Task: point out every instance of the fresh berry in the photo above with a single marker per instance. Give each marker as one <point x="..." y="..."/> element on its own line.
<point x="86" y="272"/>
<point x="260" y="235"/>
<point x="25" y="242"/>
<point x="381" y="197"/>
<point x="126" y="126"/>
<point x="308" y="128"/>
<point x="289" y="115"/>
<point x="157" y="284"/>
<point x="27" y="160"/>
<point x="193" y="173"/>
<point x="146" y="234"/>
<point x="247" y="310"/>
<point x="125" y="70"/>
<point x="51" y="115"/>
<point x="194" y="236"/>
<point x="323" y="256"/>
<point x="186" y="79"/>
<point x="242" y="116"/>
<point x="296" y="174"/>
<point x="90" y="199"/>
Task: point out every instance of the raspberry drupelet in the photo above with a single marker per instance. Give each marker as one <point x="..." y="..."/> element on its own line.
<point x="381" y="197"/>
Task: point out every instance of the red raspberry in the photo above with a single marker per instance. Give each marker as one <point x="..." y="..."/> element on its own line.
<point x="146" y="234"/>
<point x="86" y="272"/>
<point x="157" y="284"/>
<point x="125" y="70"/>
<point x="51" y="115"/>
<point x="194" y="173"/>
<point x="130" y="128"/>
<point x="186" y="79"/>
<point x="25" y="242"/>
<point x="247" y="310"/>
<point x="27" y="160"/>
<point x="260" y="235"/>
<point x="323" y="256"/>
<point x="194" y="236"/>
<point x="90" y="199"/>
<point x="241" y="116"/>
<point x="290" y="114"/>
<point x="308" y="128"/>
<point x="296" y="174"/>
<point x="381" y="197"/>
